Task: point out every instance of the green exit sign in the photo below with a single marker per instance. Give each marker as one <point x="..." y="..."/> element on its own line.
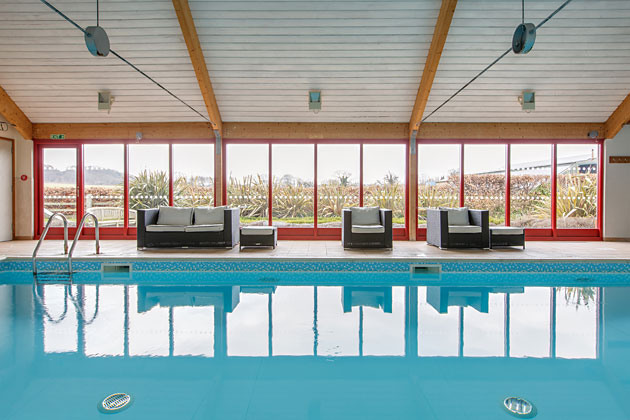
<point x="57" y="136"/>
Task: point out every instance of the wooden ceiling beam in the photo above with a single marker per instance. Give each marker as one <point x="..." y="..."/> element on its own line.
<point x="617" y="119"/>
<point x="311" y="131"/>
<point x="440" y="33"/>
<point x="187" y="25"/>
<point x="15" y="116"/>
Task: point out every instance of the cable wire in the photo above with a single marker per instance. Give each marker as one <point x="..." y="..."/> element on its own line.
<point x="495" y="61"/>
<point x="124" y="60"/>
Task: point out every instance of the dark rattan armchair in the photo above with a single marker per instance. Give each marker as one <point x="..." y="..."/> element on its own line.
<point x="444" y="235"/>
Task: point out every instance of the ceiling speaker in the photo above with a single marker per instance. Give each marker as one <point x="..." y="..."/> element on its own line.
<point x="96" y="41"/>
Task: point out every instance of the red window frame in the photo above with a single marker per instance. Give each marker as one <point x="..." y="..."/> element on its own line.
<point x="127" y="232"/>
<point x="539" y="234"/>
<point x="317" y="233"/>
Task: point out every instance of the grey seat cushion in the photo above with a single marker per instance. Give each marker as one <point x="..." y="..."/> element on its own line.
<point x="209" y="215"/>
<point x="181" y="216"/>
<point x="464" y="229"/>
<point x="166" y="228"/>
<point x="368" y="229"/>
<point x="365" y="216"/>
<point x="507" y="230"/>
<point x="457" y="216"/>
<point x="215" y="227"/>
<point x="257" y="230"/>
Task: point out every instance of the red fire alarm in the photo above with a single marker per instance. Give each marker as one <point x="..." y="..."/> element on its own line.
<point x="23" y="177"/>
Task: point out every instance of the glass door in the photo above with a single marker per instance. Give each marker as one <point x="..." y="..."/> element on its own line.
<point x="60" y="187"/>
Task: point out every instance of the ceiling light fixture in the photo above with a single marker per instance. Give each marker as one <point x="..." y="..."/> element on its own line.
<point x="315" y="101"/>
<point x="524" y="35"/>
<point x="527" y="99"/>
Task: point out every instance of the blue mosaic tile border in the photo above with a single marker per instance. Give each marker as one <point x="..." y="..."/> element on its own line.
<point x="325" y="266"/>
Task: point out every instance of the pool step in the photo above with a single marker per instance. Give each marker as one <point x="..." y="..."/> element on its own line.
<point x="53" y="277"/>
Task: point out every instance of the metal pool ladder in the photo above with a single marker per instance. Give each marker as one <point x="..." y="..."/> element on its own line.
<point x="65" y="239"/>
<point x="41" y="239"/>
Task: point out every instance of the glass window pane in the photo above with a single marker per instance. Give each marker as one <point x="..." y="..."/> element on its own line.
<point x="384" y="327"/>
<point x="148" y="325"/>
<point x="193" y="331"/>
<point x="484" y="330"/>
<point x="247" y="168"/>
<point x="577" y="186"/>
<point x="530" y="185"/>
<point x="293" y="173"/>
<point x="193" y="171"/>
<point x="248" y="326"/>
<point x="337" y="331"/>
<point x="337" y="181"/>
<point x="103" y="177"/>
<point x="60" y="184"/>
<point x="576" y="322"/>
<point x="105" y="335"/>
<point x="293" y="318"/>
<point x="484" y="180"/>
<point x="148" y="178"/>
<point x="438" y="178"/>
<point x="60" y="318"/>
<point x="530" y="322"/>
<point x="438" y="333"/>
<point x="384" y="178"/>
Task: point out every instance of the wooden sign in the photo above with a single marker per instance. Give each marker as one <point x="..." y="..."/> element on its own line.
<point x="619" y="159"/>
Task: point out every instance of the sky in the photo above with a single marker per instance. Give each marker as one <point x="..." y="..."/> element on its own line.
<point x="297" y="160"/>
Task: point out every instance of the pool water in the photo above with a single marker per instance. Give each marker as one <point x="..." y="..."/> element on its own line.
<point x="315" y="346"/>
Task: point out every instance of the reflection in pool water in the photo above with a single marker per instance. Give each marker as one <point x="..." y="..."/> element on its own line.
<point x="313" y="351"/>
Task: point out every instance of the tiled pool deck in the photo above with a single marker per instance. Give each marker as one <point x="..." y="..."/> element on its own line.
<point x="331" y="250"/>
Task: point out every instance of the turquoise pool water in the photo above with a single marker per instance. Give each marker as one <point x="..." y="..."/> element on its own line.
<point x="312" y="344"/>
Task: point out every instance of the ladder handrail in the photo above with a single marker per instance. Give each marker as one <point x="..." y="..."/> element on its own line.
<point x="41" y="238"/>
<point x="76" y="238"/>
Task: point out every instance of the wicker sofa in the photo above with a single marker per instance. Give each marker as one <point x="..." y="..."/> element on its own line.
<point x="367" y="227"/>
<point x="458" y="228"/>
<point x="174" y="227"/>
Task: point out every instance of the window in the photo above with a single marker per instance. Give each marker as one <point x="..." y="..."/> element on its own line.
<point x="530" y="322"/>
<point x="484" y="180"/>
<point x="248" y="326"/>
<point x="576" y="322"/>
<point x="438" y="178"/>
<point x="60" y="184"/>
<point x="484" y="329"/>
<point x="293" y="185"/>
<point x="337" y="331"/>
<point x="576" y="204"/>
<point x="193" y="175"/>
<point x="384" y="179"/>
<point x="293" y="318"/>
<point x="193" y="331"/>
<point x="438" y="333"/>
<point x="148" y="325"/>
<point x="530" y="185"/>
<point x="103" y="177"/>
<point x="383" y="331"/>
<point x="105" y="335"/>
<point x="148" y="178"/>
<point x="337" y="181"/>
<point x="247" y="169"/>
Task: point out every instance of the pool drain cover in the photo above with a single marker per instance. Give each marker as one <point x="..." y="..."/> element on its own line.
<point x="115" y="403"/>
<point x="519" y="407"/>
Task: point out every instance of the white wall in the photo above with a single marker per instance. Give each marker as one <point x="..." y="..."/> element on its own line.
<point x="617" y="188"/>
<point x="23" y="189"/>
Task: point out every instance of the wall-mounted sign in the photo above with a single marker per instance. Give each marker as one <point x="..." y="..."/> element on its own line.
<point x="57" y="136"/>
<point x="619" y="159"/>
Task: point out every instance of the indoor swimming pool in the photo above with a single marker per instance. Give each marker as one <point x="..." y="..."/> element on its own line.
<point x="391" y="341"/>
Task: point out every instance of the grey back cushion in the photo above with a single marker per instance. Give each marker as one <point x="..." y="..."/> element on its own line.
<point x="175" y="216"/>
<point x="209" y="215"/>
<point x="457" y="216"/>
<point x="366" y="215"/>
